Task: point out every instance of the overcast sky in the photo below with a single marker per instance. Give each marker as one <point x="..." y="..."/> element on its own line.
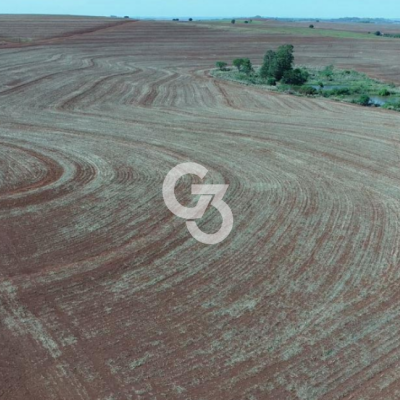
<point x="208" y="8"/>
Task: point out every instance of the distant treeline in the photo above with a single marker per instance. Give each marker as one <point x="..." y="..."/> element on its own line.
<point x="392" y="35"/>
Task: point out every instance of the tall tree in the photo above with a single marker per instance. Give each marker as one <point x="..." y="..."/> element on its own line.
<point x="284" y="60"/>
<point x="266" y="70"/>
<point x="277" y="63"/>
<point x="247" y="66"/>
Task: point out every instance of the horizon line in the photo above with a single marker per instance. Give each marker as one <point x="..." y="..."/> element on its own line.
<point x="205" y="17"/>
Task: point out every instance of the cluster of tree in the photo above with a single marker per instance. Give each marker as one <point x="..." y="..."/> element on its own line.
<point x="242" y="65"/>
<point x="392" y="35"/>
<point x="246" y="22"/>
<point x="278" y="66"/>
<point x="175" y="19"/>
<point x="389" y="35"/>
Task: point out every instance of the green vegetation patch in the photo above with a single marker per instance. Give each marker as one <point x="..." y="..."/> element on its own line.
<point x="279" y="73"/>
<point x="350" y="85"/>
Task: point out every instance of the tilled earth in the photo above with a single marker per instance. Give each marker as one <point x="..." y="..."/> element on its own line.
<point x="103" y="292"/>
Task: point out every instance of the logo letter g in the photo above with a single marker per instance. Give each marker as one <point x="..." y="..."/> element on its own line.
<point x="209" y="194"/>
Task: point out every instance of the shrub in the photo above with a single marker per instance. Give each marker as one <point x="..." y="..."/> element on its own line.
<point x="233" y="21"/>
<point x="327" y="93"/>
<point x="221" y="65"/>
<point x="271" y="81"/>
<point x="360" y="88"/>
<point x="342" y="91"/>
<point x="392" y="106"/>
<point x="321" y="85"/>
<point x="378" y="33"/>
<point x="285" y="88"/>
<point x="328" y="72"/>
<point x="246" y="22"/>
<point x="295" y="77"/>
<point x="384" y="92"/>
<point x="190" y="19"/>
<point x="307" y="90"/>
<point x="311" y="26"/>
<point x="363" y="100"/>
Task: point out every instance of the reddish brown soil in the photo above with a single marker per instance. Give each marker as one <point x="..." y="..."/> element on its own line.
<point x="26" y="28"/>
<point x="103" y="292"/>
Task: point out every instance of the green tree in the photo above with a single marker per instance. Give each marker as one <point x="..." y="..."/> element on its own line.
<point x="295" y="77"/>
<point x="284" y="60"/>
<point x="247" y="66"/>
<point x="277" y="63"/>
<point x="221" y="65"/>
<point x="266" y="70"/>
<point x="233" y="21"/>
<point x="311" y="26"/>
<point x="238" y="63"/>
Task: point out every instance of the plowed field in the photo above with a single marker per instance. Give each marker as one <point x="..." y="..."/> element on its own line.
<point x="103" y="292"/>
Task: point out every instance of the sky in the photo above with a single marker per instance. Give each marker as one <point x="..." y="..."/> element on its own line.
<point x="208" y="8"/>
